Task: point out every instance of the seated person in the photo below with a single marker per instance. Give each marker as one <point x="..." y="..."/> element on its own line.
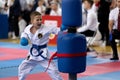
<point x="90" y="27"/>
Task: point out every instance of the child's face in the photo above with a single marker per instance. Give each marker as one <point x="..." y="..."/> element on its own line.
<point x="41" y="2"/>
<point x="54" y="6"/>
<point x="37" y="21"/>
<point x="86" y="5"/>
<point x="118" y="3"/>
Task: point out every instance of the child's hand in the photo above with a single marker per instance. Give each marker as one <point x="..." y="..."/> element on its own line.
<point x="24" y="41"/>
<point x="63" y="27"/>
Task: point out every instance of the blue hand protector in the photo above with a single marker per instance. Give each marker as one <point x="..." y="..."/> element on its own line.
<point x="24" y="41"/>
<point x="110" y="37"/>
<point x="63" y="27"/>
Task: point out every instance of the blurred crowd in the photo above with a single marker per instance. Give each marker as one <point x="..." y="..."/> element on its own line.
<point x="102" y="9"/>
<point x="18" y="12"/>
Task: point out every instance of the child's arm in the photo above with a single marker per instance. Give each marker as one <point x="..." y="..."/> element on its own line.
<point x="55" y="30"/>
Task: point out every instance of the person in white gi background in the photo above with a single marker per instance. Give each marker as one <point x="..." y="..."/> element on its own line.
<point x="55" y="9"/>
<point x="38" y="35"/>
<point x="21" y="24"/>
<point x="41" y="8"/>
<point x="89" y="28"/>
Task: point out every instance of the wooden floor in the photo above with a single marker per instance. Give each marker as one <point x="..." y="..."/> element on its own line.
<point x="10" y="40"/>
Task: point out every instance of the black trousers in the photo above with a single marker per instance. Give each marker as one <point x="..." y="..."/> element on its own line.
<point x="103" y="28"/>
<point x="88" y="33"/>
<point x="115" y="35"/>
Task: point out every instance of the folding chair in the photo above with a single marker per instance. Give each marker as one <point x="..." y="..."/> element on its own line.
<point x="90" y="40"/>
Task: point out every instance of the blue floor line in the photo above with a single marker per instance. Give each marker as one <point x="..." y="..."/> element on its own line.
<point x="10" y="68"/>
<point x="8" y="63"/>
<point x="13" y="71"/>
<point x="91" y="61"/>
<point x="18" y="46"/>
<point x="12" y="45"/>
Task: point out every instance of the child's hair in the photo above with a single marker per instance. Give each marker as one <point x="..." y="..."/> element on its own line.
<point x="90" y="2"/>
<point x="33" y="14"/>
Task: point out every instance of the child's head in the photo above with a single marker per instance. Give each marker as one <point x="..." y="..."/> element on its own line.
<point x="118" y="3"/>
<point x="88" y="4"/>
<point x="36" y="19"/>
<point x="54" y="5"/>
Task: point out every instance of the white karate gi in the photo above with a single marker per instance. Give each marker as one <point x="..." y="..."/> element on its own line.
<point x="29" y="63"/>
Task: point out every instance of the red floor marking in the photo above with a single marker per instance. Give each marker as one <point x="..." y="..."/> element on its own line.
<point x="11" y="78"/>
<point x="43" y="76"/>
<point x="10" y="53"/>
<point x="101" y="69"/>
<point x="38" y="76"/>
<point x="90" y="71"/>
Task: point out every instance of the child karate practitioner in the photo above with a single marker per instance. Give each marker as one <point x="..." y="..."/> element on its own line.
<point x="38" y="36"/>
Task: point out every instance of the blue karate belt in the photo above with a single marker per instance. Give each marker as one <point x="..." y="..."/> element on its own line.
<point x="38" y="48"/>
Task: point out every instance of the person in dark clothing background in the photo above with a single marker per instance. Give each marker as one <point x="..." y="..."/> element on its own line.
<point x="114" y="30"/>
<point x="15" y="11"/>
<point x="103" y="16"/>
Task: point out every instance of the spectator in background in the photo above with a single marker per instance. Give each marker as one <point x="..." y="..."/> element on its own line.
<point x="41" y="8"/>
<point x="58" y="1"/>
<point x="35" y="5"/>
<point x="55" y="9"/>
<point x="47" y="3"/>
<point x="114" y="29"/>
<point x="4" y="9"/>
<point x="84" y="14"/>
<point x="27" y="7"/>
<point x="22" y="24"/>
<point x="2" y="4"/>
<point x="89" y="28"/>
<point x="48" y="7"/>
<point x="30" y="4"/>
<point x="96" y="4"/>
<point x="113" y="4"/>
<point x="103" y="15"/>
<point x="15" y="11"/>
